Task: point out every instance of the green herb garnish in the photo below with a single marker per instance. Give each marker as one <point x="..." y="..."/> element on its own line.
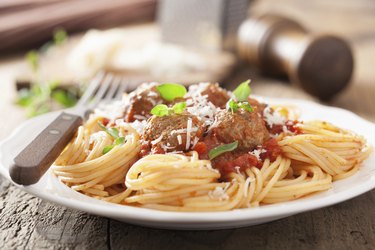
<point x="114" y="133"/>
<point x="108" y="148"/>
<point x="111" y="131"/>
<point x="171" y="91"/>
<point x="234" y="106"/>
<point x="160" y="110"/>
<point x="120" y="140"/>
<point x="163" y="110"/>
<point x="246" y="106"/>
<point x="178" y="108"/>
<point x="242" y="92"/>
<point x="222" y="149"/>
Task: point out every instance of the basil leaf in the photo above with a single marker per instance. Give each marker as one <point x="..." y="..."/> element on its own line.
<point x="160" y="110"/>
<point x="108" y="148"/>
<point x="246" y="106"/>
<point x="111" y="131"/>
<point x="242" y="92"/>
<point x="171" y="91"/>
<point x="120" y="141"/>
<point x="222" y="149"/>
<point x="232" y="106"/>
<point x="178" y="108"/>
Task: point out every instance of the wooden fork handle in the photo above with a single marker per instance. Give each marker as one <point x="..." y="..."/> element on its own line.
<point x="30" y="165"/>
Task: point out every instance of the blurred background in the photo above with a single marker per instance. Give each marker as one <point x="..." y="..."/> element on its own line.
<point x="317" y="50"/>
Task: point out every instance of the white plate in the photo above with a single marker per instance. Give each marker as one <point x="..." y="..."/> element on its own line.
<point x="50" y="189"/>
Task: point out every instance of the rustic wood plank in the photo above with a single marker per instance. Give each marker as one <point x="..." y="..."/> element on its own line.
<point x="17" y="216"/>
<point x="26" y="222"/>
<point x="349" y="225"/>
<point x="59" y="227"/>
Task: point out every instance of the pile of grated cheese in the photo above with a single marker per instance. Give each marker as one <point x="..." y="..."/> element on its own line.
<point x="219" y="193"/>
<point x="200" y="106"/>
<point x="273" y="118"/>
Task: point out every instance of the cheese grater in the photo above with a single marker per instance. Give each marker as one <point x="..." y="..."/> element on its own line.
<point x="206" y="24"/>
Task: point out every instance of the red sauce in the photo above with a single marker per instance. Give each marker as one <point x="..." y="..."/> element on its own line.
<point x="105" y="121"/>
<point x="129" y="117"/>
<point x="290" y="125"/>
<point x="227" y="163"/>
<point x="157" y="150"/>
<point x="272" y="148"/>
<point x="201" y="149"/>
<point x="146" y="149"/>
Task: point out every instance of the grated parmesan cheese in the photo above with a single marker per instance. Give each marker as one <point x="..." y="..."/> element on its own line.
<point x="183" y="130"/>
<point x="157" y="140"/>
<point x="140" y="117"/>
<point x="188" y="133"/>
<point x="111" y="110"/>
<point x="199" y="105"/>
<point x="179" y="139"/>
<point x="257" y="152"/>
<point x="97" y="136"/>
<point x="174" y="152"/>
<point x="272" y="118"/>
<point x="237" y="168"/>
<point x="196" y="139"/>
<point x="218" y="194"/>
<point x="247" y="184"/>
<point x="139" y="126"/>
<point x="152" y="94"/>
<point x="166" y="147"/>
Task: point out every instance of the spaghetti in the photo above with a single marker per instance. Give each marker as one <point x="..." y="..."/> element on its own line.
<point x="119" y="168"/>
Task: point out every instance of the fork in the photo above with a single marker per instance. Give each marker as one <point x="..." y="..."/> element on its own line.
<point x="35" y="159"/>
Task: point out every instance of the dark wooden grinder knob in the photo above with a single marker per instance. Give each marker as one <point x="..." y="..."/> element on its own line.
<point x="321" y="64"/>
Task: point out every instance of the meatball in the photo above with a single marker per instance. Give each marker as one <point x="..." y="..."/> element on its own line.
<point x="248" y="128"/>
<point x="141" y="101"/>
<point x="257" y="106"/>
<point x="169" y="133"/>
<point x="215" y="94"/>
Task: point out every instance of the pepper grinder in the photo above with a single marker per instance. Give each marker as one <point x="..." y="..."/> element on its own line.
<point x="321" y="64"/>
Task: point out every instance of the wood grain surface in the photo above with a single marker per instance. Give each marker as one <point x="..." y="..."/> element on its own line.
<point x="26" y="222"/>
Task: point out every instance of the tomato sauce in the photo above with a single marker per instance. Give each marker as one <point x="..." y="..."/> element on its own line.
<point x="272" y="149"/>
<point x="105" y="121"/>
<point x="230" y="161"/>
<point x="290" y="125"/>
<point x="146" y="150"/>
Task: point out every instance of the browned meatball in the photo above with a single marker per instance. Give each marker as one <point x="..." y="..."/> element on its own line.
<point x="248" y="128"/>
<point x="169" y="133"/>
<point x="215" y="94"/>
<point x="257" y="106"/>
<point x="141" y="101"/>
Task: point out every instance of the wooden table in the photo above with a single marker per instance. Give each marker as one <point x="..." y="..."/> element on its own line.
<point x="27" y="222"/>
